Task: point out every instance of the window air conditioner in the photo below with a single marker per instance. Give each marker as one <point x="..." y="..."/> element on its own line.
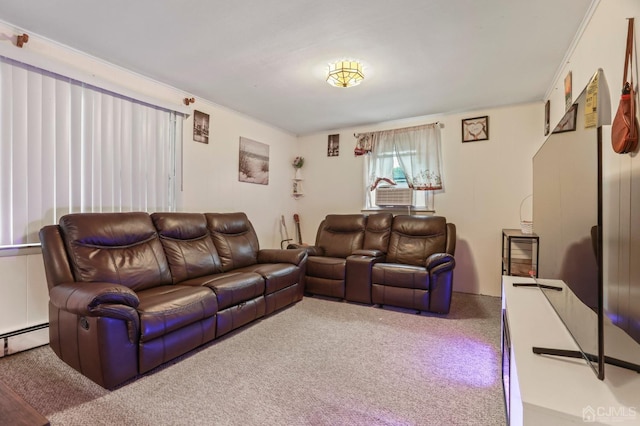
<point x="392" y="196"/>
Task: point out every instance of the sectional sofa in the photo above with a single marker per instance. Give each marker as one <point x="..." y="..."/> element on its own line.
<point x="130" y="291"/>
<point x="404" y="261"/>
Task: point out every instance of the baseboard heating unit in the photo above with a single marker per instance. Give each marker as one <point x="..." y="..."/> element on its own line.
<point x="24" y="339"/>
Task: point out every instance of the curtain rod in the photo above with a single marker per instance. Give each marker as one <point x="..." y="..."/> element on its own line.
<point x="404" y="128"/>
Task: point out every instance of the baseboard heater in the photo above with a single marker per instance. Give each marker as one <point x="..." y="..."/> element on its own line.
<point x="24" y="339"/>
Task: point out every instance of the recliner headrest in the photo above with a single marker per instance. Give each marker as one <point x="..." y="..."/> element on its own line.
<point x="345" y="223"/>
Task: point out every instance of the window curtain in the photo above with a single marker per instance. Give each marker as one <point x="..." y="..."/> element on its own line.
<point x="68" y="147"/>
<point x="417" y="150"/>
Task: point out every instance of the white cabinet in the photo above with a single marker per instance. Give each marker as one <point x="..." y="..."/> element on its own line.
<point x="546" y="390"/>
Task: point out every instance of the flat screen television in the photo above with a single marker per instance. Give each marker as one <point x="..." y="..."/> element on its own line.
<point x="568" y="214"/>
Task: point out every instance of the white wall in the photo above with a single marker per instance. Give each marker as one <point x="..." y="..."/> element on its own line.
<point x="24" y="297"/>
<point x="211" y="172"/>
<point x="484" y="184"/>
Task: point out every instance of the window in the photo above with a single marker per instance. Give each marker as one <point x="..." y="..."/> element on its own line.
<point x="66" y="147"/>
<point x="409" y="156"/>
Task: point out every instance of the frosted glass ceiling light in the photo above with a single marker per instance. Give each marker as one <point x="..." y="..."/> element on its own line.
<point x="345" y="74"/>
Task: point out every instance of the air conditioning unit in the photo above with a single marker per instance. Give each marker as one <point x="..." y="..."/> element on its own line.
<point x="393" y="196"/>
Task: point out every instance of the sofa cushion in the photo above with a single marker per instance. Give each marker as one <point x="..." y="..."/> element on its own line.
<point x="234" y="238"/>
<point x="189" y="249"/>
<point x="398" y="275"/>
<point x="121" y="248"/>
<point x="414" y="238"/>
<point x="340" y="235"/>
<point x="332" y="268"/>
<point x="232" y="288"/>
<point x="276" y="275"/>
<point x="168" y="308"/>
<point x="378" y="231"/>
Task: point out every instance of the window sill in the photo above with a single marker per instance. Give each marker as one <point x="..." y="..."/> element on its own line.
<point x="420" y="211"/>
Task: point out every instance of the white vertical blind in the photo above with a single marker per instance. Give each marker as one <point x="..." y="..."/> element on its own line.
<point x="68" y="147"/>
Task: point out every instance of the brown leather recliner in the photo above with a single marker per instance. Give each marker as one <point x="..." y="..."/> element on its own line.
<point x="114" y="311"/>
<point x="339" y="237"/>
<point x="418" y="270"/>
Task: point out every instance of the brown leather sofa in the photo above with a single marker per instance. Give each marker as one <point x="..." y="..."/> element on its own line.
<point x="130" y="291"/>
<point x="404" y="261"/>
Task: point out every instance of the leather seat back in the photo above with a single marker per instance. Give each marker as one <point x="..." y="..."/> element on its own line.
<point x="414" y="238"/>
<point x="187" y="244"/>
<point x="121" y="248"/>
<point x="378" y="231"/>
<point x="235" y="239"/>
<point x="340" y="235"/>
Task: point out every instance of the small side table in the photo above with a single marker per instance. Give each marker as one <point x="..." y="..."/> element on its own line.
<point x="520" y="253"/>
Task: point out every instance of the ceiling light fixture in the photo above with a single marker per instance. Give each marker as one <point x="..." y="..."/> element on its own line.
<point x="345" y="74"/>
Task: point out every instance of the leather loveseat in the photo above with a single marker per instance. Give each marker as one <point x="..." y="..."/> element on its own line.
<point x="404" y="261"/>
<point x="130" y="291"/>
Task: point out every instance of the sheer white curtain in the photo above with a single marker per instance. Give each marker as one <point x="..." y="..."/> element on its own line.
<point x="417" y="151"/>
<point x="69" y="147"/>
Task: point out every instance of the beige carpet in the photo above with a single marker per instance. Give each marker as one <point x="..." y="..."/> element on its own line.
<point x="320" y="362"/>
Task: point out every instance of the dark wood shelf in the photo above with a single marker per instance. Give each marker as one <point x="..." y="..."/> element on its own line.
<point x="16" y="411"/>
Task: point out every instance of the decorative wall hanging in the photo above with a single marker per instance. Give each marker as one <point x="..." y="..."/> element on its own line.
<point x="568" y="98"/>
<point x="568" y="122"/>
<point x="547" y="117"/>
<point x="475" y="129"/>
<point x="253" y="166"/>
<point x="200" y="127"/>
<point x="333" y="146"/>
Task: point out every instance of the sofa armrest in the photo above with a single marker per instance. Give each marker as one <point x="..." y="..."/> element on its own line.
<point x="440" y="267"/>
<point x="311" y="250"/>
<point x="441" y="261"/>
<point x="295" y="257"/>
<point x="83" y="298"/>
<point x="370" y="253"/>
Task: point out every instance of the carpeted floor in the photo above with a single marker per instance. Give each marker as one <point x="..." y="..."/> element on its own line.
<point x="320" y="362"/>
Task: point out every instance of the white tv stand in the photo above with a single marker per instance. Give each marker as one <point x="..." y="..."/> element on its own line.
<point x="545" y="390"/>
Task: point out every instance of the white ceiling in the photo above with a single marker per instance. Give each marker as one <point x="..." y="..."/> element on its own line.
<point x="267" y="58"/>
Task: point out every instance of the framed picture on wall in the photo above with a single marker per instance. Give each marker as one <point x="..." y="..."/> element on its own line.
<point x="475" y="129"/>
<point x="333" y="146"/>
<point x="568" y="98"/>
<point x="568" y="122"/>
<point x="200" y="127"/>
<point x="253" y="164"/>
<point x="547" y="117"/>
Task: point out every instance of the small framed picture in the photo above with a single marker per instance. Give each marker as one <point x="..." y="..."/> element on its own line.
<point x="567" y="91"/>
<point x="568" y="122"/>
<point x="200" y="127"/>
<point x="547" y="117"/>
<point x="333" y="146"/>
<point x="475" y="129"/>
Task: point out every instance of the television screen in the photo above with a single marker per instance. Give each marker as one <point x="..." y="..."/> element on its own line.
<point x="577" y="214"/>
